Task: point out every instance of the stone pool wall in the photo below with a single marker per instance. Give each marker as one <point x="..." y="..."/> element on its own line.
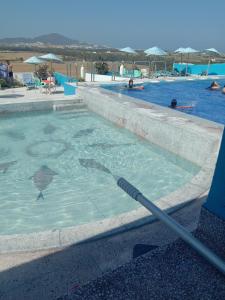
<point x="189" y="137"/>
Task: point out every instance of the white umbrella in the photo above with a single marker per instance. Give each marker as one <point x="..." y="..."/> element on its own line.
<point x="155" y="51"/>
<point x="128" y="50"/>
<point x="179" y="50"/>
<point x="211" y="51"/>
<point x="34" y="60"/>
<point x="52" y="58"/>
<point x="187" y="51"/>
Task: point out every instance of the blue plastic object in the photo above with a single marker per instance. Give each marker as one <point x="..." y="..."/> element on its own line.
<point x="69" y="89"/>
<point x="212" y="69"/>
<point x="61" y="78"/>
<point x="216" y="199"/>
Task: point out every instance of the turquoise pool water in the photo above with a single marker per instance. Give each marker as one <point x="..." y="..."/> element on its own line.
<point x="206" y="104"/>
<point x="41" y="152"/>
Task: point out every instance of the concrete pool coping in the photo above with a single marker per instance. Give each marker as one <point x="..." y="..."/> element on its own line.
<point x="194" y="189"/>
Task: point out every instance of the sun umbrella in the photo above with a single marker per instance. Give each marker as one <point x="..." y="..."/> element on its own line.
<point x="211" y="51"/>
<point x="52" y="58"/>
<point x="155" y="51"/>
<point x="179" y="50"/>
<point x="34" y="60"/>
<point x="187" y="51"/>
<point x="128" y="50"/>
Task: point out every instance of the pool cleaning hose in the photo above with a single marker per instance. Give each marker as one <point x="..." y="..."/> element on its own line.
<point x="180" y="230"/>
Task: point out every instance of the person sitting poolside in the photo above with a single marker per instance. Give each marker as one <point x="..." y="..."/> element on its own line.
<point x="214" y="86"/>
<point x="51" y="79"/>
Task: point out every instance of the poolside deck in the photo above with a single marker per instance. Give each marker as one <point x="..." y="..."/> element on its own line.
<point x="169" y="272"/>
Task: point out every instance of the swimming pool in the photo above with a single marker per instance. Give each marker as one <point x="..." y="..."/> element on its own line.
<point x="206" y="104"/>
<point x="42" y="152"/>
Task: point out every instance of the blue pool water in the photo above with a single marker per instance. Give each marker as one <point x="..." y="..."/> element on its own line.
<point x="41" y="152"/>
<point x="206" y="104"/>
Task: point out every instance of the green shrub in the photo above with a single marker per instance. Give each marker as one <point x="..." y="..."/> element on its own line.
<point x="102" y="68"/>
<point x="42" y="72"/>
<point x="3" y="83"/>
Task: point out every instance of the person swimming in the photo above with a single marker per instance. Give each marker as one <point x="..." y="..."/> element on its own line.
<point x="223" y="90"/>
<point x="173" y="104"/>
<point x="131" y="83"/>
<point x="131" y="86"/>
<point x="214" y="86"/>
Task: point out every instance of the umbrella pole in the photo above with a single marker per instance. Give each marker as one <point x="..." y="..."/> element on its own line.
<point x="181" y="61"/>
<point x="207" y="73"/>
<point x="187" y="65"/>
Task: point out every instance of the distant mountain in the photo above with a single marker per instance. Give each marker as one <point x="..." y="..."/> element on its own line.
<point x="55" y="39"/>
<point x="47" y="39"/>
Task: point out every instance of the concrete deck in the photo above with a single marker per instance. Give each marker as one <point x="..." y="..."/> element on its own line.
<point x="52" y="273"/>
<point x="169" y="272"/>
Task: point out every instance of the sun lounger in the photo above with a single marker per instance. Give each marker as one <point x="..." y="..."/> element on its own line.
<point x="28" y="80"/>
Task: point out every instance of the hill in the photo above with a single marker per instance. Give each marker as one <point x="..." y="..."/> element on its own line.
<point x="53" y="39"/>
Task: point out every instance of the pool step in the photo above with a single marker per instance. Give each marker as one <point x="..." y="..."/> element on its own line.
<point x="69" y="106"/>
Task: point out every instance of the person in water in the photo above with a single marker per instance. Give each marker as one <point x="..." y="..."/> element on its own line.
<point x="173" y="104"/>
<point x="131" y="83"/>
<point x="214" y="86"/>
<point x="223" y="90"/>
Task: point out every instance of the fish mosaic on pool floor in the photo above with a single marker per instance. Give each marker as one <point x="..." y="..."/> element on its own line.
<point x="15" y="135"/>
<point x="105" y="146"/>
<point x="91" y="163"/>
<point x="4" y="166"/>
<point x="42" y="178"/>
<point x="49" y="129"/>
<point x="84" y="132"/>
<point x="33" y="152"/>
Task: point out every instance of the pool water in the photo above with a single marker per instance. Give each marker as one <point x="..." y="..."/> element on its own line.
<point x="41" y="152"/>
<point x="206" y="104"/>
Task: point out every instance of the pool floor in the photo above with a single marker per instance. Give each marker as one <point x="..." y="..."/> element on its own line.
<point x="45" y="185"/>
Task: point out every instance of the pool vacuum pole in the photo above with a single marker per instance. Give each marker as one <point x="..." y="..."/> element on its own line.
<point x="180" y="230"/>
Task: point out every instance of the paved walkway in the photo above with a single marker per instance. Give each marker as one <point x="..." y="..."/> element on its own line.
<point x="171" y="272"/>
<point x="49" y="274"/>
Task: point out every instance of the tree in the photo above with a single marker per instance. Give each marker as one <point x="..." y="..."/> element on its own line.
<point x="42" y="71"/>
<point x="102" y="68"/>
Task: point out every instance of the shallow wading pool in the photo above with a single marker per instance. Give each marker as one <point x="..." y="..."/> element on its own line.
<point x="44" y="185"/>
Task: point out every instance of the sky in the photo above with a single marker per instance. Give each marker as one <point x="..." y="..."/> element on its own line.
<point x="140" y="24"/>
